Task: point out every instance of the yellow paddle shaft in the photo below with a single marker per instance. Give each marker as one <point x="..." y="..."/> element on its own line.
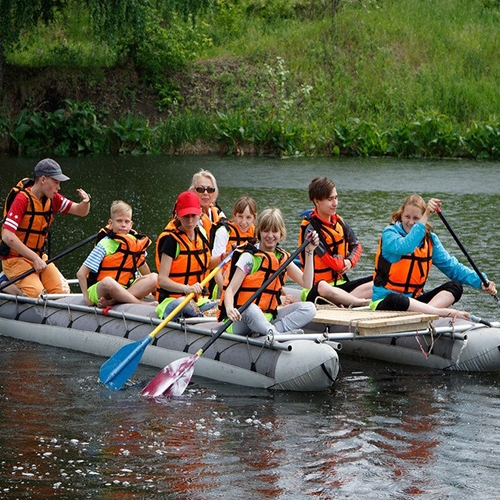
<point x="191" y="295"/>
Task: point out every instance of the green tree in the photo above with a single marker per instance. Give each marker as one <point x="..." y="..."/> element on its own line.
<point x="128" y="25"/>
<point x="19" y="15"/>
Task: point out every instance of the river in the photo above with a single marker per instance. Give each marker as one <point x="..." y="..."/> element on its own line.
<point x="382" y="431"/>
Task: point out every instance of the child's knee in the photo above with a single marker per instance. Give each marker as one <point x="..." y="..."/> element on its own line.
<point x="106" y="284"/>
<point x="308" y="309"/>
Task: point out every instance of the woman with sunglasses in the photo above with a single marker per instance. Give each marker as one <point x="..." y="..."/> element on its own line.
<point x="205" y="186"/>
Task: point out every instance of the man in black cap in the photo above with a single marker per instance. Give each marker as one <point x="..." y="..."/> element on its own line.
<point x="28" y="215"/>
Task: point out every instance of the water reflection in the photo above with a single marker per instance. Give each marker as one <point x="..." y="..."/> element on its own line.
<point x="382" y="432"/>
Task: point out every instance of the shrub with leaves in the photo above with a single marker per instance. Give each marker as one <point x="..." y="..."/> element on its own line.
<point x="74" y="130"/>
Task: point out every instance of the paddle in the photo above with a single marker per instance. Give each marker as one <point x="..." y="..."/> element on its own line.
<point x="120" y="367"/>
<point x="484" y="281"/>
<point x="477" y="319"/>
<point x="175" y="377"/>
<point x="62" y="254"/>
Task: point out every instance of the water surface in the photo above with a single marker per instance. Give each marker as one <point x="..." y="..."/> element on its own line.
<point x="381" y="432"/>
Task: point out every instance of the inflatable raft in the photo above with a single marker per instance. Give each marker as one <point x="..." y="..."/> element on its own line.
<point x="292" y="365"/>
<point x="411" y="338"/>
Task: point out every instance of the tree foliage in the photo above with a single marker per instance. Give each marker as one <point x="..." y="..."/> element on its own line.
<point x="19" y="15"/>
<point x="131" y="26"/>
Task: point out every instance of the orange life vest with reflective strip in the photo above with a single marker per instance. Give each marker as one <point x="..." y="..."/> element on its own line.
<point x="409" y="274"/>
<point x="268" y="300"/>
<point x="34" y="226"/>
<point x="191" y="264"/>
<point x="122" y="264"/>
<point x="237" y="236"/>
<point x="333" y="239"/>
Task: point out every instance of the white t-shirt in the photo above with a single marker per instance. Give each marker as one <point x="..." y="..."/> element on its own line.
<point x="221" y="240"/>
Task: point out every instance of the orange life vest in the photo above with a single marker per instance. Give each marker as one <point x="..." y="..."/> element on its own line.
<point x="122" y="264"/>
<point x="268" y="300"/>
<point x="191" y="264"/>
<point x="237" y="237"/>
<point x="35" y="224"/>
<point x="333" y="239"/>
<point x="209" y="223"/>
<point x="409" y="274"/>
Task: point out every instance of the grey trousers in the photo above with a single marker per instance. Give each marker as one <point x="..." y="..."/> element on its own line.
<point x="289" y="317"/>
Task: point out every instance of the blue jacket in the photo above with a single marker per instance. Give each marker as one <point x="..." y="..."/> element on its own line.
<point x="396" y="242"/>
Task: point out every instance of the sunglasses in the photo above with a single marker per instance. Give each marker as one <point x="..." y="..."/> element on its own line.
<point x="202" y="189"/>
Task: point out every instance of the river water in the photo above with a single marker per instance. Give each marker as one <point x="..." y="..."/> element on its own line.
<point x="382" y="432"/>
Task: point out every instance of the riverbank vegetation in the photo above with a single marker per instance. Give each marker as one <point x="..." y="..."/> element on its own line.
<point x="284" y="77"/>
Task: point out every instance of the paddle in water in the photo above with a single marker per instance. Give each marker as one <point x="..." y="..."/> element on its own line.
<point x="175" y="377"/>
<point x="484" y="281"/>
<point x="120" y="367"/>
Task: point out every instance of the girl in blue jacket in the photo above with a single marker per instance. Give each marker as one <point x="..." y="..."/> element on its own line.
<point x="407" y="250"/>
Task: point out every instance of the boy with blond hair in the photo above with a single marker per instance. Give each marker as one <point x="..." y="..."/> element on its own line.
<point x="109" y="274"/>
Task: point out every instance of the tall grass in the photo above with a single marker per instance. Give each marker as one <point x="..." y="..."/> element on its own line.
<point x="393" y="77"/>
<point x="393" y="58"/>
<point x="68" y="42"/>
<point x="185" y="133"/>
<point x="380" y="61"/>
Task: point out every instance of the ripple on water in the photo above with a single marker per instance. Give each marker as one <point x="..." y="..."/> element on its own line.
<point x="382" y="432"/>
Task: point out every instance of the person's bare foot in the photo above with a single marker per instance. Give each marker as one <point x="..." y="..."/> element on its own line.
<point x="105" y="302"/>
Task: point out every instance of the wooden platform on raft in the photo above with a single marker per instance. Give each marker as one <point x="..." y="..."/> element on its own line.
<point x="368" y="322"/>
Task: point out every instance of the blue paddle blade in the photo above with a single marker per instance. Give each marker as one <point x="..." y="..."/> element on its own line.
<point x="120" y="367"/>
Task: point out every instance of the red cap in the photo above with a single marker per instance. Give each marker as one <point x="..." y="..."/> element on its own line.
<point x="188" y="203"/>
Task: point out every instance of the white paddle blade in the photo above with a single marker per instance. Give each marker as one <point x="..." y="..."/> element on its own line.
<point x="180" y="385"/>
<point x="173" y="379"/>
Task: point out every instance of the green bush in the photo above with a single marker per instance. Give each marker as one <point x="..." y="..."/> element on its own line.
<point x="482" y="140"/>
<point x="358" y="138"/>
<point x="72" y="130"/>
<point x="131" y="135"/>
<point x="428" y="134"/>
<point x="186" y="128"/>
<point x="362" y="77"/>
